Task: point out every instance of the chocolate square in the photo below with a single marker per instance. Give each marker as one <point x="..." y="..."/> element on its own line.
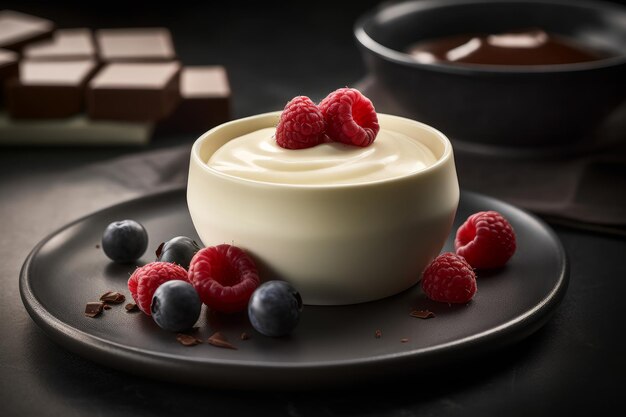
<point x="17" y="29"/>
<point x="134" y="91"/>
<point x="205" y="100"/>
<point x="48" y="89"/>
<point x="135" y="45"/>
<point x="66" y="44"/>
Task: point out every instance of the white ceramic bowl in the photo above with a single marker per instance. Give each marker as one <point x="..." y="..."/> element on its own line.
<point x="337" y="244"/>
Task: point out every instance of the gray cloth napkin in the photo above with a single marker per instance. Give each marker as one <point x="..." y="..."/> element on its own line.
<point x="584" y="187"/>
<point x="60" y="197"/>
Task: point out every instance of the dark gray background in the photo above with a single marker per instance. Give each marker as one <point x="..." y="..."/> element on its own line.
<point x="574" y="365"/>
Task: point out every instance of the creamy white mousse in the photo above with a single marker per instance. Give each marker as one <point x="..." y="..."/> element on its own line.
<point x="256" y="156"/>
<point x="342" y="224"/>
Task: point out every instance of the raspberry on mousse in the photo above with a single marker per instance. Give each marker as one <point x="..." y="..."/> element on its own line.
<point x="301" y="124"/>
<point x="350" y="116"/>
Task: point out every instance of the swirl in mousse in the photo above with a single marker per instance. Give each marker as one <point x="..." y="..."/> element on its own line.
<point x="343" y="224"/>
<point x="256" y="156"/>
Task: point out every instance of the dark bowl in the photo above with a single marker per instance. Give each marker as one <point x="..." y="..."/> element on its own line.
<point x="543" y="105"/>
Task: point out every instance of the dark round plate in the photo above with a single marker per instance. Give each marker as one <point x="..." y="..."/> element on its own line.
<point x="331" y="345"/>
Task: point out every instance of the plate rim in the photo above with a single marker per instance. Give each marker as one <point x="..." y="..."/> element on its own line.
<point x="108" y="352"/>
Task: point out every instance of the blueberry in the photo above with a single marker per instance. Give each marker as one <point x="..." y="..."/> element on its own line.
<point x="274" y="308"/>
<point x="124" y="241"/>
<point x="178" y="250"/>
<point x="175" y="306"/>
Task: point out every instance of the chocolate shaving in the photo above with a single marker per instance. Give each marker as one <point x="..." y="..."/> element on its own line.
<point x="422" y="314"/>
<point x="219" y="340"/>
<point x="187" y="340"/>
<point x="244" y="336"/>
<point x="404" y="340"/>
<point x="159" y="250"/>
<point x="113" y="297"/>
<point x="94" y="308"/>
<point x="107" y="307"/>
<point x="131" y="307"/>
<point x="378" y="334"/>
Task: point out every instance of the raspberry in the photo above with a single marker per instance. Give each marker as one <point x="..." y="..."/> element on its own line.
<point x="224" y="276"/>
<point x="485" y="240"/>
<point x="146" y="279"/>
<point x="350" y="116"/>
<point x="301" y="124"/>
<point x="449" y="279"/>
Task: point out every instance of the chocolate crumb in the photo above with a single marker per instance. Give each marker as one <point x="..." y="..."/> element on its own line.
<point x="378" y="334"/>
<point x="404" y="340"/>
<point x="113" y="297"/>
<point x="131" y="307"/>
<point x="94" y="308"/>
<point x="422" y="314"/>
<point x="219" y="340"/>
<point x="97" y="246"/>
<point x="187" y="340"/>
<point x="106" y="307"/>
<point x="244" y="336"/>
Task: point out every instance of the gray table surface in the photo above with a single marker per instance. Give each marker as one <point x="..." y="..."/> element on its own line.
<point x="574" y="364"/>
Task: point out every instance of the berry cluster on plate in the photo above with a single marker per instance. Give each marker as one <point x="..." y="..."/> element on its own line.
<point x="485" y="241"/>
<point x="172" y="289"/>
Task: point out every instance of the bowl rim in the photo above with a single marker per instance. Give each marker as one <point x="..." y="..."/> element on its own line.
<point x="404" y="59"/>
<point x="446" y="156"/>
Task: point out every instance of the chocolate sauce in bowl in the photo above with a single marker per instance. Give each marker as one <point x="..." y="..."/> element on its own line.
<point x="528" y="47"/>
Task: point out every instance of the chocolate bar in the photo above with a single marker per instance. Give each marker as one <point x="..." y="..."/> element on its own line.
<point x="115" y="82"/>
<point x="135" y="45"/>
<point x="48" y="89"/>
<point x="18" y="29"/>
<point x="66" y="44"/>
<point x="134" y="91"/>
<point x="205" y="100"/>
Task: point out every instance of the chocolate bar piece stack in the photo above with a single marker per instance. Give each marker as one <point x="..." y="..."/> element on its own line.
<point x="111" y="86"/>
